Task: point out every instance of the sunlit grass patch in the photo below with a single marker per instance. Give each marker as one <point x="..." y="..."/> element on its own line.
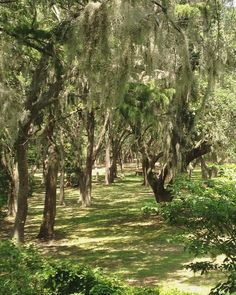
<point x="115" y="235"/>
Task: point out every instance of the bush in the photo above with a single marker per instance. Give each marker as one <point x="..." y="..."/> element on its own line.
<point x="105" y="288"/>
<point x="19" y="267"/>
<point x="146" y="291"/>
<point x="150" y="210"/>
<point x="208" y="210"/>
<point x="24" y="272"/>
<point x="66" y="278"/>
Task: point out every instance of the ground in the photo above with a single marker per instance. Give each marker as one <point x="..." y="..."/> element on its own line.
<point x="115" y="235"/>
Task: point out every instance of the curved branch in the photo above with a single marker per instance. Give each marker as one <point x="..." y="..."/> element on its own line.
<point x="198" y="151"/>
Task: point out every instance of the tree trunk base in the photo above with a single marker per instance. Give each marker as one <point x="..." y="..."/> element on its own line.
<point x="45" y="233"/>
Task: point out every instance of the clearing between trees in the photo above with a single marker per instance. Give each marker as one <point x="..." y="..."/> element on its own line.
<point x="116" y="235"/>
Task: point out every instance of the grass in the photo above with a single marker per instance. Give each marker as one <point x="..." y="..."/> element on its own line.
<point x="114" y="234"/>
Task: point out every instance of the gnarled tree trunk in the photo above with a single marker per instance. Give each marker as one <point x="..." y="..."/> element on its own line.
<point x="157" y="184"/>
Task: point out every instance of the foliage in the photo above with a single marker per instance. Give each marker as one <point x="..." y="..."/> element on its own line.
<point x="208" y="210"/>
<point x="23" y="271"/>
<point x="4" y="185"/>
<point x="174" y="292"/>
<point x="19" y="269"/>
<point x="150" y="210"/>
<point x="66" y="278"/>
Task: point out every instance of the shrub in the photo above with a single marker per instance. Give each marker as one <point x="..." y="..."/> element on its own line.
<point x="150" y="210"/>
<point x="19" y="267"/>
<point x="145" y="291"/>
<point x="208" y="210"/>
<point x="66" y="278"/>
<point x="105" y="288"/>
<point x="24" y="272"/>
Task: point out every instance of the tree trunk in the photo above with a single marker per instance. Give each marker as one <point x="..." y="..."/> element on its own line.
<point x="206" y="171"/>
<point x="113" y="169"/>
<point x="10" y="171"/>
<point x="137" y="161"/>
<point x="85" y="187"/>
<point x="157" y="184"/>
<point x="116" y="144"/>
<point x="62" y="187"/>
<point x="22" y="200"/>
<point x="85" y="177"/>
<point x="145" y="167"/>
<point x="51" y="168"/>
<point x="96" y="170"/>
<point x="62" y="171"/>
<point x="121" y="162"/>
<point x="12" y="196"/>
<point x="108" y="162"/>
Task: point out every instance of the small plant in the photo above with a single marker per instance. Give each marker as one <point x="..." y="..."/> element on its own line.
<point x="150" y="210"/>
<point x="67" y="278"/>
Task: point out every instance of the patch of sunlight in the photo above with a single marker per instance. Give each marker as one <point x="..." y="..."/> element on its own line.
<point x="85" y="240"/>
<point x="187" y="281"/>
<point x="176" y="290"/>
<point x="217" y="259"/>
<point x="202" y="290"/>
<point x="93" y="229"/>
<point x="38" y="207"/>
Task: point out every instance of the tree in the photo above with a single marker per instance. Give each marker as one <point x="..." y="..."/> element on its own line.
<point x="193" y="33"/>
<point x="50" y="174"/>
<point x="46" y="82"/>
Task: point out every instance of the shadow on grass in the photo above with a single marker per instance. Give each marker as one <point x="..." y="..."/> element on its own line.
<point x="113" y="234"/>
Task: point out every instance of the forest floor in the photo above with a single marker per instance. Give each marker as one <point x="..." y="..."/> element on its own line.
<point x="115" y="235"/>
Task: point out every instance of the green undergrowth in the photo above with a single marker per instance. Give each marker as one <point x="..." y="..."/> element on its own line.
<point x="207" y="210"/>
<point x="114" y="235"/>
<point x="24" y="271"/>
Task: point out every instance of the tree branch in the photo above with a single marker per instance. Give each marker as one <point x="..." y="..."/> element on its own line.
<point x="27" y="42"/>
<point x="7" y="1"/>
<point x="198" y="151"/>
<point x="101" y="138"/>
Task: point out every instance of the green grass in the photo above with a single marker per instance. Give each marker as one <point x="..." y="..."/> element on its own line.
<point x="114" y="234"/>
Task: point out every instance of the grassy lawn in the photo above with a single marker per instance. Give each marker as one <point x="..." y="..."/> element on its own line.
<point x="114" y="234"/>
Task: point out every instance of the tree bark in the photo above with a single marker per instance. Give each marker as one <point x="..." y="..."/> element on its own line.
<point x="198" y="151"/>
<point x="51" y="168"/>
<point x="145" y="167"/>
<point x="9" y="169"/>
<point x="85" y="177"/>
<point x="108" y="162"/>
<point x="12" y="196"/>
<point x="113" y="168"/>
<point x="62" y="171"/>
<point x="85" y="187"/>
<point x="22" y="200"/>
<point x="62" y="187"/>
<point x="206" y="171"/>
<point x="116" y="144"/>
<point x="158" y="186"/>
